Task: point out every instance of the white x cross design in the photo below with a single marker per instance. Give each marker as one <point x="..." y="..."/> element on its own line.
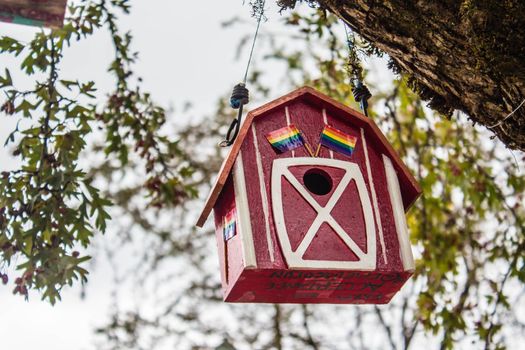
<point x="366" y="261"/>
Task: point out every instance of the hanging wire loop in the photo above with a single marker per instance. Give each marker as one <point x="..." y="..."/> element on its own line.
<point x="233" y="130"/>
<point x="240" y="94"/>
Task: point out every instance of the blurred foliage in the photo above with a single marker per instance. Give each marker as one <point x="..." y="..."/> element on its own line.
<point x="467" y="229"/>
<point x="469" y="224"/>
<point x="49" y="205"/>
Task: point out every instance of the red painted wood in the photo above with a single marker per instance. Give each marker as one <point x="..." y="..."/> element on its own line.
<point x="351" y="216"/>
<point x="387" y="215"/>
<point x="411" y="189"/>
<point x="273" y="281"/>
<point x="297" y="224"/>
<point x="299" y="215"/>
<point x="49" y="13"/>
<point x="335" y="176"/>
<point x="254" y="196"/>
<point x="316" y="287"/>
<point x="375" y="152"/>
<point x="327" y="245"/>
<point x="230" y="252"/>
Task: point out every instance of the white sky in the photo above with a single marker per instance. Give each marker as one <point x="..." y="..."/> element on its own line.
<point x="185" y="55"/>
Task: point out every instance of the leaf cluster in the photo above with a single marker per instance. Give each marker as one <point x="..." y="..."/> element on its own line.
<point x="50" y="206"/>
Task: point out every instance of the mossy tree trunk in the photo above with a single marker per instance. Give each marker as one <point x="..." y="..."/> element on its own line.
<point x="460" y="55"/>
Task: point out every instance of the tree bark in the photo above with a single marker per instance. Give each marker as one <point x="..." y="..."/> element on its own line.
<point x="460" y="55"/>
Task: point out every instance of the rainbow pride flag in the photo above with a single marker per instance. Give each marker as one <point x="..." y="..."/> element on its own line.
<point x="229" y="224"/>
<point x="337" y="140"/>
<point x="285" y="139"/>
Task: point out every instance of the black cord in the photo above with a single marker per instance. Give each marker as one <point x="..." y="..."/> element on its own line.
<point x="240" y="94"/>
<point x="361" y="95"/>
<point x="359" y="89"/>
<point x="233" y="130"/>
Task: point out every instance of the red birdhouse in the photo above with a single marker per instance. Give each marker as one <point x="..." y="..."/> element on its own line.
<point x="310" y="205"/>
<point x="40" y="13"/>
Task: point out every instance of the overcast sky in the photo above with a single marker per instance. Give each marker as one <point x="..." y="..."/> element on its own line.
<point x="185" y="55"/>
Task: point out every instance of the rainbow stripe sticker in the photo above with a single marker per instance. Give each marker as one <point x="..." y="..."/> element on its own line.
<point x="337" y="140"/>
<point x="229" y="224"/>
<point x="285" y="139"/>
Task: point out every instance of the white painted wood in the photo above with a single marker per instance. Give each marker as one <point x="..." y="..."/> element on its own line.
<point x="288" y="124"/>
<point x="323" y="214"/>
<point x="405" y="250"/>
<point x="264" y="196"/>
<point x="294" y="259"/>
<point x="374" y="198"/>
<point x="325" y="119"/>
<point x="243" y="214"/>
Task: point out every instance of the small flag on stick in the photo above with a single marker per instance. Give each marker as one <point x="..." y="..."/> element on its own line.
<point x="229" y="224"/>
<point x="337" y="140"/>
<point x="285" y="139"/>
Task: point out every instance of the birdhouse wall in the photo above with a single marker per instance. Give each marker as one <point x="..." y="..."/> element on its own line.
<point x="258" y="157"/>
<point x="281" y="240"/>
<point x="230" y="251"/>
<point x="47" y="13"/>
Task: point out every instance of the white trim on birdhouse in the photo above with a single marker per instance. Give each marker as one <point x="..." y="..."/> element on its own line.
<point x="264" y="196"/>
<point x="243" y="214"/>
<point x="405" y="250"/>
<point x="287" y="113"/>
<point x="374" y="198"/>
<point x="294" y="259"/>
<point x="325" y="120"/>
<point x="411" y="189"/>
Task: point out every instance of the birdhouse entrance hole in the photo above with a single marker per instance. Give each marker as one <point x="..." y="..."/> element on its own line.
<point x="297" y="226"/>
<point x="318" y="181"/>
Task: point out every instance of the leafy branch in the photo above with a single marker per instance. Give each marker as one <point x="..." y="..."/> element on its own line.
<point x="49" y="207"/>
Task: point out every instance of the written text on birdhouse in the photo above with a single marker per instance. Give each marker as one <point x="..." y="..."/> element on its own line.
<point x="310" y="205"/>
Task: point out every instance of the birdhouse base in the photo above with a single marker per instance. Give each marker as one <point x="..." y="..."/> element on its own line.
<point x="315" y="286"/>
<point x="294" y="225"/>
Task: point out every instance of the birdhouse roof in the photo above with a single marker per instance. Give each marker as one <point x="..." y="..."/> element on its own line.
<point x="332" y="106"/>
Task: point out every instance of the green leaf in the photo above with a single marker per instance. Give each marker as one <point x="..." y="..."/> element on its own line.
<point x="26" y="107"/>
<point x="10" y="45"/>
<point x="6" y="81"/>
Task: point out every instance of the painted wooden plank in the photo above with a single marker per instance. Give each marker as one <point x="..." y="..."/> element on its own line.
<point x="399" y="215"/>
<point x="316" y="226"/>
<point x="264" y="196"/>
<point x="295" y="259"/>
<point x="377" y="214"/>
<point x="325" y="120"/>
<point x="243" y="214"/>
<point x="41" y="13"/>
<point x="306" y="286"/>
<point x="411" y="189"/>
